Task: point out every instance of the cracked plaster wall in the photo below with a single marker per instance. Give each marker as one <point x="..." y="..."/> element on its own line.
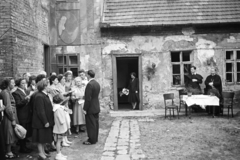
<point x="156" y="49"/>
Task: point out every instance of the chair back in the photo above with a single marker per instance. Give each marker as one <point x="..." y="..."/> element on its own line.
<point x="168" y="96"/>
<point x="236" y="96"/>
<point x="181" y="92"/>
<point x="227" y="98"/>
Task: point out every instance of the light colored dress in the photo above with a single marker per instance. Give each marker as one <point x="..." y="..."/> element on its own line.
<point x="78" y="115"/>
<point x="62" y="90"/>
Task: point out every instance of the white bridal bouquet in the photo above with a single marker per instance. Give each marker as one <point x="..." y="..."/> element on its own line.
<point x="124" y="91"/>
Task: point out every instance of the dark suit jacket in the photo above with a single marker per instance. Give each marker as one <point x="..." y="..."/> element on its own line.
<point x="194" y="85"/>
<point x="91" y="105"/>
<point x="42" y="111"/>
<point x="23" y="108"/>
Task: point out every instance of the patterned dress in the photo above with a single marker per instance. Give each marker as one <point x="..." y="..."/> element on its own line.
<point x="78" y="115"/>
<point x="10" y="115"/>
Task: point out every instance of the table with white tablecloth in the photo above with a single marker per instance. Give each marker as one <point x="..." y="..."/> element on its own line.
<point x="201" y="100"/>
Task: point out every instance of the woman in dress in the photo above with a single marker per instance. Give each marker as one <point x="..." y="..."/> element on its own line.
<point x="10" y="119"/>
<point x="82" y="74"/>
<point x="43" y="119"/>
<point x="133" y="87"/>
<point x="78" y="101"/>
<point x="69" y="82"/>
<point x="62" y="89"/>
<point x="2" y="142"/>
<point x="23" y="111"/>
<point x="32" y="84"/>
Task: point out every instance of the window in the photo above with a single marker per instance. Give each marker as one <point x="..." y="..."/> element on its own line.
<point x="232" y="67"/>
<point x="68" y="62"/>
<point x="181" y="63"/>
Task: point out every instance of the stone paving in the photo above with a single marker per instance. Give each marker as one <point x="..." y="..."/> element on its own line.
<point x="123" y="142"/>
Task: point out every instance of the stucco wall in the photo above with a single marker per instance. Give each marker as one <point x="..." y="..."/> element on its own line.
<point x="156" y="49"/>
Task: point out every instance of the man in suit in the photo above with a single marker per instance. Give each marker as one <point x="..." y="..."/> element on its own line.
<point x="92" y="108"/>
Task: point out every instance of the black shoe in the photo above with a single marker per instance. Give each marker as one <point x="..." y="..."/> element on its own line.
<point x="47" y="151"/>
<point x="81" y="130"/>
<point x="25" y="150"/>
<point x="52" y="149"/>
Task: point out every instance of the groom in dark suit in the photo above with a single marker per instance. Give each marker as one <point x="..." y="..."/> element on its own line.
<point x="92" y="108"/>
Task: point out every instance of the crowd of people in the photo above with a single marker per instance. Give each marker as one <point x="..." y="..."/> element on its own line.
<point x="47" y="108"/>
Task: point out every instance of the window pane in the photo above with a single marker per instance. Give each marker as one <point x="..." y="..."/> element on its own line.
<point x="73" y="60"/>
<point x="229" y="67"/>
<point x="229" y="77"/>
<point x="60" y="70"/>
<point x="60" y="59"/>
<point x="238" y="77"/>
<point x="175" y="56"/>
<point x="229" y="55"/>
<point x="186" y="56"/>
<point x="238" y="54"/>
<point x="176" y="69"/>
<point x="75" y="71"/>
<point x="238" y="67"/>
<point x="176" y="79"/>
<point x="187" y="68"/>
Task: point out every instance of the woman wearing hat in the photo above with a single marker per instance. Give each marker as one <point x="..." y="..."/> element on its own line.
<point x="43" y="119"/>
<point x="77" y="97"/>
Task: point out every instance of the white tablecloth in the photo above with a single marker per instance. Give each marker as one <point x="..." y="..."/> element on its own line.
<point x="202" y="100"/>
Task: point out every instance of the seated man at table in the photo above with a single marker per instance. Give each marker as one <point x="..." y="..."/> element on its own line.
<point x="213" y="87"/>
<point x="193" y="82"/>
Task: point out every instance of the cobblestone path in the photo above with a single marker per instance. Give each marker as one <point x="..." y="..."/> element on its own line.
<point x="123" y="141"/>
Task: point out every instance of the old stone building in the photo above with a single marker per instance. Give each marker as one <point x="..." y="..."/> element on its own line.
<point x="158" y="40"/>
<point x="24" y="36"/>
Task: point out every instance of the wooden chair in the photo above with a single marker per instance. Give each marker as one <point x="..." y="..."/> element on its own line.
<point x="172" y="106"/>
<point x="228" y="101"/>
<point x="236" y="98"/>
<point x="181" y="102"/>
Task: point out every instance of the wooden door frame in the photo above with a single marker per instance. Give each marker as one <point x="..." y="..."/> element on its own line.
<point x="114" y="73"/>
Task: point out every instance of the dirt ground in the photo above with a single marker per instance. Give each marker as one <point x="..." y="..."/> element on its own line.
<point x="199" y="138"/>
<point x="78" y="151"/>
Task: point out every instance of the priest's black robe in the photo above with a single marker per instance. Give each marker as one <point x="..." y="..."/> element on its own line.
<point x="217" y="85"/>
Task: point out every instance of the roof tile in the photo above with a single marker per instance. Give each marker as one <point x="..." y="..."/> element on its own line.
<point x="169" y="12"/>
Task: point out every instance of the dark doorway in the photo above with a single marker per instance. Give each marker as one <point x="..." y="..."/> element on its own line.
<point x="125" y="66"/>
<point x="46" y="50"/>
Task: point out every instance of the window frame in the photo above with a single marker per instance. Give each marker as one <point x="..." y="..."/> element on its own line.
<point x="234" y="61"/>
<point x="181" y="63"/>
<point x="68" y="65"/>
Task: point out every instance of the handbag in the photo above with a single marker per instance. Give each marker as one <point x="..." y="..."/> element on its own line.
<point x="20" y="131"/>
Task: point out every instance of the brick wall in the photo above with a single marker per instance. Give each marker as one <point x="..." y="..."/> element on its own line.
<point x="5" y="39"/>
<point x="28" y="32"/>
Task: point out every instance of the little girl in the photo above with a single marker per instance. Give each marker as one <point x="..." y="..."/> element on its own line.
<point x="61" y="125"/>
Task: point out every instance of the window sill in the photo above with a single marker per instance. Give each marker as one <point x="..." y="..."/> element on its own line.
<point x="177" y="87"/>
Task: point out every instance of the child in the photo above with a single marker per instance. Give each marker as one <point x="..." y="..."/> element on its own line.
<point x="60" y="128"/>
